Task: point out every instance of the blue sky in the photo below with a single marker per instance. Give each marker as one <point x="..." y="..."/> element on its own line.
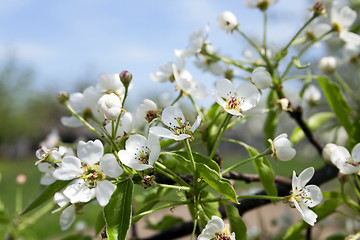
<point x="69" y="41"/>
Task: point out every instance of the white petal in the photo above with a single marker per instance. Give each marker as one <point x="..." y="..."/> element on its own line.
<point x="350" y="37"/>
<point x="215" y="225"/>
<point x="90" y="152"/>
<point x="110" y="166"/>
<point x="196" y="124"/>
<point x="224" y="87"/>
<point x="77" y="191"/>
<point x="161" y="132"/>
<point x="155" y="149"/>
<point x="47" y="179"/>
<point x="339" y="155"/>
<point x="315" y="194"/>
<point x="71" y="121"/>
<point x="355" y="153"/>
<point x="60" y="199"/>
<point x="67" y="217"/>
<point x="103" y="192"/>
<point x="130" y="161"/>
<point x="127" y="122"/>
<point x="219" y="100"/>
<point x="170" y="115"/>
<point x="135" y="143"/>
<point x="250" y="94"/>
<point x="306" y="175"/>
<point x="308" y="215"/>
<point x="70" y="168"/>
<point x="285" y="153"/>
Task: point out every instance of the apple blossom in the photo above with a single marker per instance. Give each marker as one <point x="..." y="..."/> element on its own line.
<point x="312" y="95"/>
<point x="261" y="78"/>
<point x="178" y="129"/>
<point x="140" y="153"/>
<point x="207" y="63"/>
<point x="342" y="17"/>
<point x="346" y="163"/>
<point x="148" y="110"/>
<point x="111" y="83"/>
<point x="216" y="229"/>
<point x="67" y="216"/>
<point x="237" y="101"/>
<point x="282" y="148"/>
<point x="165" y="74"/>
<point x="197" y="40"/>
<point x="89" y="172"/>
<point x="261" y="4"/>
<point x="186" y="82"/>
<point x="110" y="105"/>
<point x="305" y="197"/>
<point x="227" y="21"/>
<point x="352" y="53"/>
<point x="328" y="64"/>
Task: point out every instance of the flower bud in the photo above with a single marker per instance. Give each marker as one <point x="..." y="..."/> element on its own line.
<point x="261" y="78"/>
<point x="328" y="65"/>
<point x="227" y="21"/>
<point x="148" y="181"/>
<point x="282" y="148"/>
<point x="62" y="97"/>
<point x="21" y="179"/>
<point x="312" y="95"/>
<point x="125" y="78"/>
<point x="319" y="9"/>
<point x="285" y="104"/>
<point x="110" y="106"/>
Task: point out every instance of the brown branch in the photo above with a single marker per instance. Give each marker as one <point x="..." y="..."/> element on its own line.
<point x="248" y="178"/>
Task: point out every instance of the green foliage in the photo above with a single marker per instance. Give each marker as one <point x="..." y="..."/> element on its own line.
<point x="118" y="211"/>
<point x="236" y="223"/>
<point x="165" y="223"/>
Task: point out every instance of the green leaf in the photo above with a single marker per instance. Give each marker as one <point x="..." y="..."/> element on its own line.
<point x="165" y="223"/>
<point x="77" y="237"/>
<point x="264" y="169"/>
<point x="337" y="102"/>
<point x="118" y="211"/>
<point x="45" y="195"/>
<point x="271" y="118"/>
<point x="237" y="225"/>
<point x="323" y="210"/>
<point x="314" y="122"/>
<point x="198" y="159"/>
<point x="100" y="222"/>
<point x="214" y="179"/>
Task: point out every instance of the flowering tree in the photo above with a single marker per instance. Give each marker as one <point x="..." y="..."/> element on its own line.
<point x="156" y="152"/>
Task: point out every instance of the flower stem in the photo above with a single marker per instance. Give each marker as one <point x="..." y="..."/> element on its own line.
<point x="346" y="87"/>
<point x="265" y="33"/>
<point x="167" y="172"/>
<point x="67" y="104"/>
<point x="177" y="99"/>
<point x="228" y="61"/>
<point x="173" y="187"/>
<point x="220" y="135"/>
<point x="192" y="162"/>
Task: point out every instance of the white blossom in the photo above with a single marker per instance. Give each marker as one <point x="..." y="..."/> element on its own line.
<point x="216" y="229"/>
<point x="312" y="95"/>
<point x="261" y="78"/>
<point x="89" y="171"/>
<point x="68" y="215"/>
<point x="196" y="41"/>
<point x="148" y="110"/>
<point x="328" y="64"/>
<point x="110" y="105"/>
<point x="178" y="129"/>
<point x="164" y="74"/>
<point x="140" y="153"/>
<point x="342" y="16"/>
<point x="259" y="3"/>
<point x="126" y="125"/>
<point x="111" y="83"/>
<point x="227" y="21"/>
<point x="237" y="101"/>
<point x="186" y="82"/>
<point x="282" y="148"/>
<point x="305" y="197"/>
<point x="346" y="163"/>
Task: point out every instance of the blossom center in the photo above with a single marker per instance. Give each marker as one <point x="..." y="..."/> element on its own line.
<point x="221" y="236"/>
<point x="92" y="174"/>
<point x="143" y="154"/>
<point x="234" y="102"/>
<point x="301" y="195"/>
<point x="182" y="128"/>
<point x="351" y="161"/>
<point x="150" y="115"/>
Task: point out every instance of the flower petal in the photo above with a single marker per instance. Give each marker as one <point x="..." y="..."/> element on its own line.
<point x="285" y="153"/>
<point x="315" y="195"/>
<point x="196" y="124"/>
<point x="306" y="175"/>
<point x="103" y="192"/>
<point x="60" y="199"/>
<point x="90" y="152"/>
<point x="135" y="143"/>
<point x="224" y="87"/>
<point x="77" y="191"/>
<point x="70" y="168"/>
<point x="161" y="132"/>
<point x="67" y="217"/>
<point x="170" y="116"/>
<point x="110" y="166"/>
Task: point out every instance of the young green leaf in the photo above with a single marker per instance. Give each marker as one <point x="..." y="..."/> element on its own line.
<point x="118" y="211"/>
<point x="271" y="118"/>
<point x="237" y="225"/>
<point x="214" y="179"/>
<point x="45" y="195"/>
<point x="336" y="101"/>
